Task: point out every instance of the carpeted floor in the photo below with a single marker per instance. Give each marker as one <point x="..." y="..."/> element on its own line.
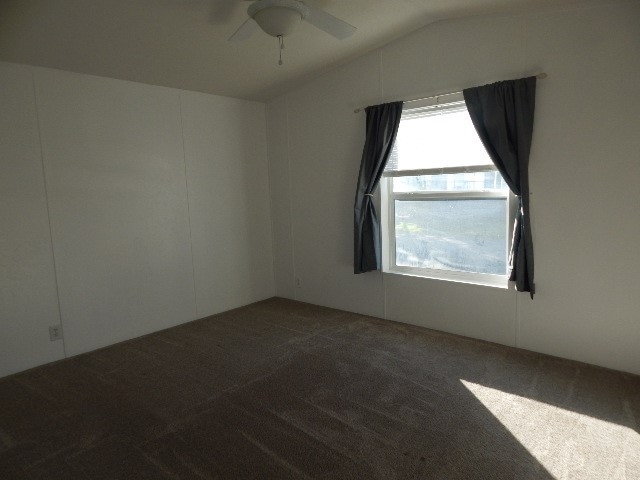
<point x="281" y="389"/>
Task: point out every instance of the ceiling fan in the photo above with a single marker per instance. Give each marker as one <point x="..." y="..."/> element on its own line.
<point x="279" y="18"/>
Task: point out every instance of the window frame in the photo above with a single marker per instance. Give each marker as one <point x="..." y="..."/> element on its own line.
<point x="389" y="197"/>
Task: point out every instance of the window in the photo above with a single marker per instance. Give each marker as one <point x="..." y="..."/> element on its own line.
<point x="447" y="207"/>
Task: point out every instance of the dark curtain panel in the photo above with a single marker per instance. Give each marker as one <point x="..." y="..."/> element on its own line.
<point x="382" y="127"/>
<point x="502" y="114"/>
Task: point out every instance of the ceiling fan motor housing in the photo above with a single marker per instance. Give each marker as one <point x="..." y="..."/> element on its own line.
<point x="278" y="18"/>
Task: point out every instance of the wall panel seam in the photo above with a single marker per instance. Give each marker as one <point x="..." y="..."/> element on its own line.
<point x="46" y="197"/>
<point x="271" y="207"/>
<point x="291" y="235"/>
<point x="186" y="184"/>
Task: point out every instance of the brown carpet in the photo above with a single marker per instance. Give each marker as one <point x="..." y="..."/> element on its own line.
<point x="281" y="389"/>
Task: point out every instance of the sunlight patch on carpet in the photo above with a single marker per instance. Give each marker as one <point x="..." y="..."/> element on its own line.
<point x="563" y="441"/>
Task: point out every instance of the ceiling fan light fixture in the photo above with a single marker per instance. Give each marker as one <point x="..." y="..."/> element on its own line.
<point x="278" y="18"/>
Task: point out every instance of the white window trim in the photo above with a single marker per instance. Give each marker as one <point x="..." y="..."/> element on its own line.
<point x="440" y="171"/>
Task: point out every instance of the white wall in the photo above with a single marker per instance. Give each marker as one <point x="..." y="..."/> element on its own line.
<point x="225" y="148"/>
<point x="584" y="178"/>
<point x="323" y="190"/>
<point x="280" y="182"/>
<point x="28" y="297"/>
<point x="158" y="205"/>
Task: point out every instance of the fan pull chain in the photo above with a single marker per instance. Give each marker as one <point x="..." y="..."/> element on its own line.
<point x="281" y="43"/>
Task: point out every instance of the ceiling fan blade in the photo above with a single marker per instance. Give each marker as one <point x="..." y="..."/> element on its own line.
<point x="245" y="31"/>
<point x="330" y="24"/>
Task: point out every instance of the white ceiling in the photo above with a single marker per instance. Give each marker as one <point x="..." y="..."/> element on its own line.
<point x="183" y="43"/>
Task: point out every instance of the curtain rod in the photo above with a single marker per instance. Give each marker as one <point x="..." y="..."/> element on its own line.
<point x="539" y="76"/>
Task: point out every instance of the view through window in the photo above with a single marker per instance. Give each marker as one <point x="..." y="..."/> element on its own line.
<point x="447" y="206"/>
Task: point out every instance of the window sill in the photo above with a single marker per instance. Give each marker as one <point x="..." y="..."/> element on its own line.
<point x="494" y="281"/>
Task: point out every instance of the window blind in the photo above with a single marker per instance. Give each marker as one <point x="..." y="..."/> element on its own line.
<point x="435" y="137"/>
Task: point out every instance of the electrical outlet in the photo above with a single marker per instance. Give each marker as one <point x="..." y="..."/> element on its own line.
<point x="55" y="332"/>
<point x="298" y="282"/>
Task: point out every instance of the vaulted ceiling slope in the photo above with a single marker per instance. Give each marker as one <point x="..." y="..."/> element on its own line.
<point x="183" y="43"/>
